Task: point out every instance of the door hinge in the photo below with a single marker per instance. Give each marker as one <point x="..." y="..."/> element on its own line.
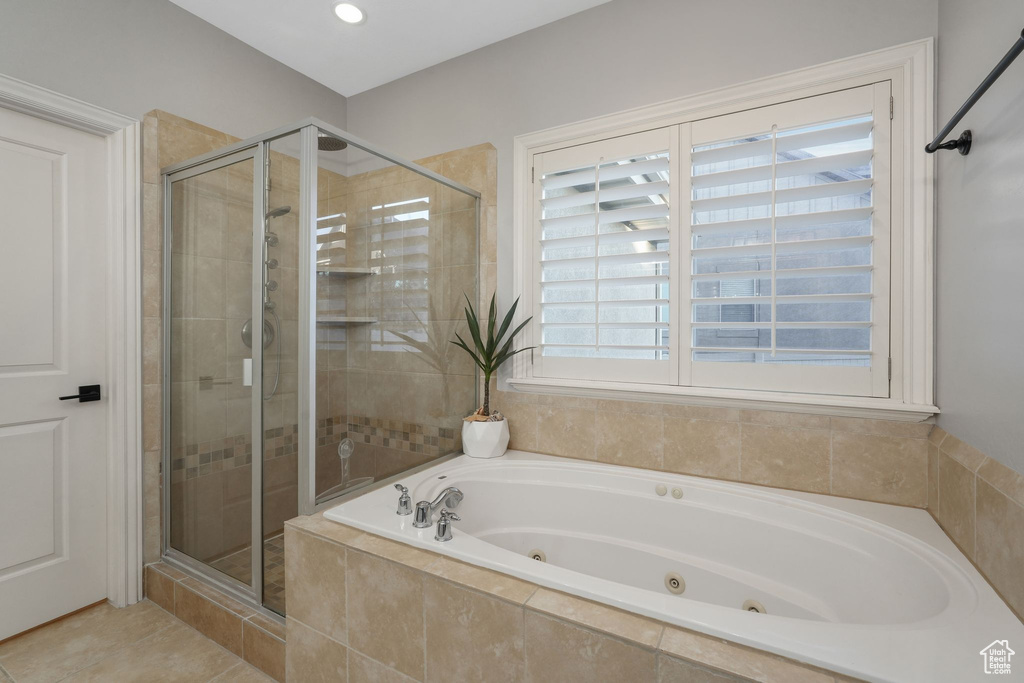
<point x="533" y="179"/>
<point x="890" y="368"/>
<point x="892" y="106"/>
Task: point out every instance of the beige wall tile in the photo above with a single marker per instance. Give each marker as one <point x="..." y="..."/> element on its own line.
<point x="152" y="218"/>
<point x="566" y="431"/>
<point x="559" y="651"/>
<point x="614" y="622"/>
<point x="956" y="502"/>
<point x="1000" y="544"/>
<point x="318" y="524"/>
<point x="150" y="150"/>
<point x="937" y="435"/>
<point x="152" y="285"/>
<point x="242" y="673"/>
<point x="1002" y="478"/>
<point x="263" y="650"/>
<point x="933" y="478"/>
<point x="315" y="576"/>
<point x="672" y="670"/>
<point x="152" y="418"/>
<point x="785" y="457"/>
<point x="912" y="430"/>
<point x="700" y="412"/>
<point x="152" y="351"/>
<point x="471" y="637"/>
<point x="629" y="439"/>
<point x="735" y="659"/>
<point x="393" y="550"/>
<point x="522" y="425"/>
<point x="886" y="469"/>
<point x="178" y="142"/>
<point x="493" y="583"/>
<point x="779" y="419"/>
<point x="365" y="670"/>
<point x="313" y="657"/>
<point x="968" y="456"/>
<point x="212" y="620"/>
<point x="385" y="612"/>
<point x="160" y="589"/>
<point x="705" y="448"/>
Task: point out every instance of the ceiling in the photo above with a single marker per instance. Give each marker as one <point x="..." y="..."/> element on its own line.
<point x="399" y="37"/>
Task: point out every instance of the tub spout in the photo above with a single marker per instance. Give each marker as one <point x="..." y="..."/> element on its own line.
<point x="450" y="498"/>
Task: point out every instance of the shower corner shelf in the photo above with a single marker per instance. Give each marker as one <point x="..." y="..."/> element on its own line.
<point x="345" y="320"/>
<point x="343" y="271"/>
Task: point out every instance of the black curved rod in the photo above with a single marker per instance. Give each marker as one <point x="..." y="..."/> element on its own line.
<point x="964" y="142"/>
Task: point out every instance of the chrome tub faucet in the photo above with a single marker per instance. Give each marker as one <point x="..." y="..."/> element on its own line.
<point x="450" y="497"/>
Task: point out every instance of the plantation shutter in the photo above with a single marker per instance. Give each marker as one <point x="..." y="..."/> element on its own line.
<point x="603" y="268"/>
<point x="789" y="246"/>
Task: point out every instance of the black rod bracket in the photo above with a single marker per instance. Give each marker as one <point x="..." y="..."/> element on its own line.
<point x="963" y="143"/>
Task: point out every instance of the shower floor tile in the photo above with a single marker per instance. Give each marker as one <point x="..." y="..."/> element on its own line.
<point x="237" y="565"/>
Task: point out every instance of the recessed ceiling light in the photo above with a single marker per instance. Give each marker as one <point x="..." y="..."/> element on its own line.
<point x="349" y="13"/>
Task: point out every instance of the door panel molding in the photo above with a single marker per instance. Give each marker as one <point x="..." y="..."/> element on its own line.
<point x="124" y="315"/>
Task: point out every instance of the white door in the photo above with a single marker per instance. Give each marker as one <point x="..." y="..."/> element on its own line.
<point x="53" y="463"/>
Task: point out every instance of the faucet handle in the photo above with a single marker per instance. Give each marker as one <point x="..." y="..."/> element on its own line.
<point x="404" y="501"/>
<point x="444" y="525"/>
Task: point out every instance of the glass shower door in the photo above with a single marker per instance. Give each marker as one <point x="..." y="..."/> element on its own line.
<point x="209" y="362"/>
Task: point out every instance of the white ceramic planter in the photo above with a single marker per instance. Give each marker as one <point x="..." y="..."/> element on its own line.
<point x="485" y="439"/>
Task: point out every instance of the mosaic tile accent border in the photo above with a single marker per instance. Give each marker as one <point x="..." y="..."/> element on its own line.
<point x="208" y="457"/>
<point x="403" y="436"/>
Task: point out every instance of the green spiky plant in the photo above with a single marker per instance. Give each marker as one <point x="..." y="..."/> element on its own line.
<point x="490" y="351"/>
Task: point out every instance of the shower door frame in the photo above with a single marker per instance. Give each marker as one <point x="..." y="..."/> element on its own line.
<point x="197" y="167"/>
<point x="257" y="148"/>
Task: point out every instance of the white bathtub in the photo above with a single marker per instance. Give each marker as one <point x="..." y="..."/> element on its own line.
<point x="870" y="590"/>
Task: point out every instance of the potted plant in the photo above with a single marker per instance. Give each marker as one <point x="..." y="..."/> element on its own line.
<point x="485" y="434"/>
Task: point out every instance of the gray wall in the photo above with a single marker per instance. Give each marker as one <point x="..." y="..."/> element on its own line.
<point x="624" y="54"/>
<point x="132" y="56"/>
<point x="981" y="233"/>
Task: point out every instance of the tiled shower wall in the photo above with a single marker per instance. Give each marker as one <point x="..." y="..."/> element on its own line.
<point x="395" y="385"/>
<point x="166" y="139"/>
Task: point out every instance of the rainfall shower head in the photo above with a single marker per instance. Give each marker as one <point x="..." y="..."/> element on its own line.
<point x="279" y="211"/>
<point x="329" y="143"/>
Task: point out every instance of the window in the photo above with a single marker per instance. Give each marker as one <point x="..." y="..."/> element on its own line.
<point x="789" y="233"/>
<point x="603" y="289"/>
<point x="743" y="254"/>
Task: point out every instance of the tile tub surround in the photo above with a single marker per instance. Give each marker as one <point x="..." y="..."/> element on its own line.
<point x="367" y="608"/>
<point x="255" y="638"/>
<point x="979" y="502"/>
<point x="875" y="460"/>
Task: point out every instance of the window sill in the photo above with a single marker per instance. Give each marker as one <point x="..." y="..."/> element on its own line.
<point x="816" y="404"/>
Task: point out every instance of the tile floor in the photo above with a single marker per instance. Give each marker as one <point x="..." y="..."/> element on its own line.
<point x="137" y="643"/>
<point x="237" y="565"/>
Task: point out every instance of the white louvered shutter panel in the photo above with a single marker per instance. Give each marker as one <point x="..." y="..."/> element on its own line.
<point x="603" y="266"/>
<point x="789" y="227"/>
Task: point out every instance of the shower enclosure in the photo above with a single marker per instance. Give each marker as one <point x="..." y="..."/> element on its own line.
<point x="311" y="285"/>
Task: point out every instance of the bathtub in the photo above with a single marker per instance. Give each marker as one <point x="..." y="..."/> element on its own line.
<point x="865" y="589"/>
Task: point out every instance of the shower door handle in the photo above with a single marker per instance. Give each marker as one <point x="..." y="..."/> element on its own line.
<point x="86" y="393"/>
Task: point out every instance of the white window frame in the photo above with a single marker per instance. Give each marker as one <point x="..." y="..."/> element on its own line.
<point x="910" y="69"/>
